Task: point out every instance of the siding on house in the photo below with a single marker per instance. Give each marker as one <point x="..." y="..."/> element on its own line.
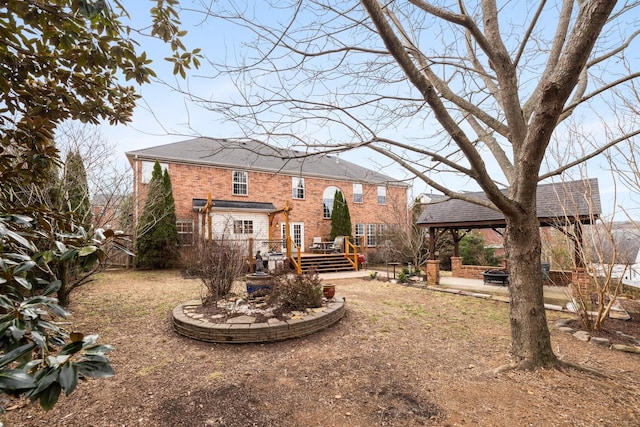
<point x="201" y="167"/>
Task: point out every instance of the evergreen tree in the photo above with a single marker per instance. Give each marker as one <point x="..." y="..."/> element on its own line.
<point x="340" y="217"/>
<point x="170" y="221"/>
<point x="75" y="190"/>
<point x="474" y="251"/>
<point x="156" y="234"/>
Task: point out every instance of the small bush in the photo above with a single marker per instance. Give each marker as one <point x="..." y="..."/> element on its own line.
<point x="402" y="276"/>
<point x="295" y="291"/>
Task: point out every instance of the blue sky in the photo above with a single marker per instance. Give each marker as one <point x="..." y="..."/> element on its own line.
<point x="164" y="116"/>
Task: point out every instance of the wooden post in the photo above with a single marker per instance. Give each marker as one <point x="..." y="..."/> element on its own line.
<point x="432" y="243"/>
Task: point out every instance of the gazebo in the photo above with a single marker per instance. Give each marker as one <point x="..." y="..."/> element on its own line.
<point x="559" y="205"/>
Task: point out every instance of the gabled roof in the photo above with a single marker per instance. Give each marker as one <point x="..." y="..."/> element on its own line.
<point x="557" y="203"/>
<point x="235" y="205"/>
<point x="256" y="156"/>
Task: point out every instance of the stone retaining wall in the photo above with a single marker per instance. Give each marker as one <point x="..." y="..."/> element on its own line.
<point x="249" y="332"/>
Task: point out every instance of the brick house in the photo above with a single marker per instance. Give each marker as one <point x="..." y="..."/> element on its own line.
<point x="248" y="182"/>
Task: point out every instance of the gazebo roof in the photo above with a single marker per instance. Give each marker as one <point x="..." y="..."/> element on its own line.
<point x="557" y="204"/>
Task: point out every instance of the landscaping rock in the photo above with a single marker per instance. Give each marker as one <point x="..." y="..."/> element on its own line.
<point x="562" y="322"/>
<point x="601" y="341"/>
<point x="626" y="348"/>
<point x="582" y="336"/>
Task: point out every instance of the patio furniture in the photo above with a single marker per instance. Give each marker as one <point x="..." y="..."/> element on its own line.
<point x="316" y="244"/>
<point x="338" y="244"/>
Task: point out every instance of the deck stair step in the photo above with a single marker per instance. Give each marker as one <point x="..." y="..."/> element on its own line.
<point x="325" y="263"/>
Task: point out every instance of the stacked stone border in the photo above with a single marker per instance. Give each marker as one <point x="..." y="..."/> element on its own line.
<point x="250" y="332"/>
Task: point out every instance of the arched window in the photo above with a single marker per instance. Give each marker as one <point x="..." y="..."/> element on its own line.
<point x="327" y="201"/>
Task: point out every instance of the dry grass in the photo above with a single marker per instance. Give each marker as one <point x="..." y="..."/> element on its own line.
<point x="400" y="357"/>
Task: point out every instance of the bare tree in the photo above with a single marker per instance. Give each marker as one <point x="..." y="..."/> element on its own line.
<point x="410" y="242"/>
<point x="446" y="90"/>
<point x="109" y="180"/>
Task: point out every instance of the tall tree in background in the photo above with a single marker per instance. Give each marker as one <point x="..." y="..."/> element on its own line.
<point x="170" y="221"/>
<point x="340" y="217"/>
<point x="476" y="91"/>
<point x="75" y="191"/>
<point x="156" y="234"/>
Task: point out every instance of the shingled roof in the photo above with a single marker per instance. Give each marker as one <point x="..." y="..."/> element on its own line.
<point x="573" y="201"/>
<point x="256" y="156"/>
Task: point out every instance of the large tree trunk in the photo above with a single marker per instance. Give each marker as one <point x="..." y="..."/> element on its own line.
<point x="531" y="341"/>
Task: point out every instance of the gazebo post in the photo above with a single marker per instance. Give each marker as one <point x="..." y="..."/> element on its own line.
<point x="432" y="275"/>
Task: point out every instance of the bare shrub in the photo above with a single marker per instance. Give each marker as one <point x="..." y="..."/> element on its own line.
<point x="217" y="264"/>
<point x="295" y="291"/>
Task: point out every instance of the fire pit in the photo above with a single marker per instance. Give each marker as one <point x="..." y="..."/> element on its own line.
<point x="500" y="277"/>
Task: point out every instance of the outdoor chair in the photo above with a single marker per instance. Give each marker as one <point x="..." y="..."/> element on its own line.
<point x="337" y="245"/>
<point x="315" y="244"/>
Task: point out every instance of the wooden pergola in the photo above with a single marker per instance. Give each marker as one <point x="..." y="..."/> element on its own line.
<point x="559" y="205"/>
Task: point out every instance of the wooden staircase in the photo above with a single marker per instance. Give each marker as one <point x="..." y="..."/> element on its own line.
<point x="325" y="263"/>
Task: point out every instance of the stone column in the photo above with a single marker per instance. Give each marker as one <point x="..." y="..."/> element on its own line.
<point x="433" y="272"/>
<point x="456" y="266"/>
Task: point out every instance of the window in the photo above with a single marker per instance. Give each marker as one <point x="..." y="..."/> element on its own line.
<point x="371" y="234"/>
<point x="383" y="231"/>
<point x="240" y="180"/>
<point x="185" y="232"/>
<point x="297" y="187"/>
<point x="359" y="234"/>
<point x="357" y="193"/>
<point x="327" y="201"/>
<point x="382" y="195"/>
<point x="241" y="226"/>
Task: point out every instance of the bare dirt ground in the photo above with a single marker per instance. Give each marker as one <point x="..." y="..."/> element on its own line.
<point x="400" y="357"/>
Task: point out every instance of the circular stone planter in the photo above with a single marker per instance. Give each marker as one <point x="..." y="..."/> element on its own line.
<point x="244" y="329"/>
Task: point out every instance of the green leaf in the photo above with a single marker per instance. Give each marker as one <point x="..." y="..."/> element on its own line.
<point x="91" y="369"/>
<point x="21" y="240"/>
<point x="25" y="266"/>
<point x="49" y="396"/>
<point x="99" y="349"/>
<point x="23" y="282"/>
<point x="6" y="303"/>
<point x="16" y="354"/>
<point x="53" y="287"/>
<point x="69" y="254"/>
<point x="15" y="380"/>
<point x="71" y="348"/>
<point x="39" y="339"/>
<point x="68" y="378"/>
<point x="87" y="250"/>
<point x="17" y="329"/>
